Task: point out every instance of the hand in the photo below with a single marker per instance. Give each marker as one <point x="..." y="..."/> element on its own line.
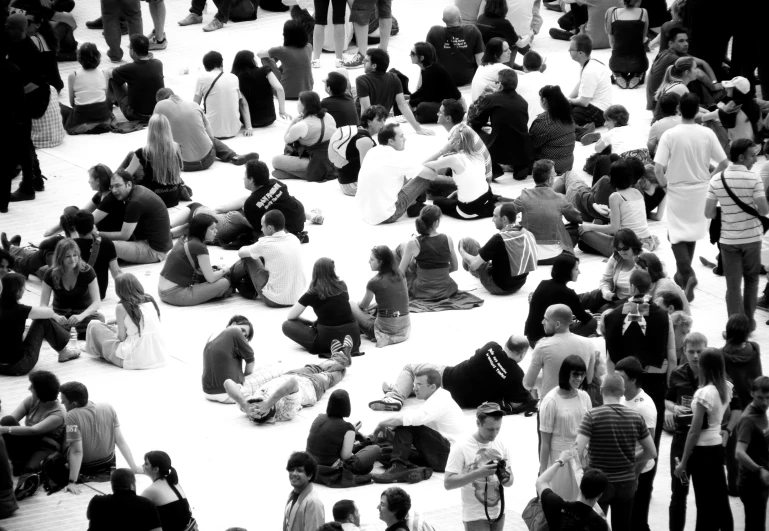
<point x="566" y="456"/>
<point x="258" y="409"/>
<point x="680" y="471"/>
<point x="718" y="86"/>
<point x="604" y="210"/>
<point x="74" y="320"/>
<point x="358" y="425"/>
<point x="72" y="488"/>
<point x="670" y="420"/>
<point x="138" y="469"/>
<point x="608" y="296"/>
<point x="764" y="477"/>
<point x="426" y="132"/>
<point x="585" y="227"/>
<point x="285" y="115"/>
<point x="63" y="321"/>
<point x="732" y="107"/>
<point x="724" y="437"/>
<point x="487" y="469"/>
<point x="248" y="132"/>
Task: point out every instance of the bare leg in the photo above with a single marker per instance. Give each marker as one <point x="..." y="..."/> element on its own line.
<point x="158" y="14"/>
<point x="317" y="40"/>
<point x="361" y="38"/>
<point x="233" y="392"/>
<point x="180" y="218"/>
<point x="339" y="40"/>
<point x="385" y="27"/>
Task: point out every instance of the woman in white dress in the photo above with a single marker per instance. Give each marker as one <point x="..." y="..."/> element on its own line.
<point x="560" y="415"/>
<point x="136" y="341"/>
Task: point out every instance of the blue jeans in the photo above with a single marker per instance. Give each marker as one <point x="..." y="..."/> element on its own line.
<point x="741" y="262"/>
<point x="111" y="11"/>
<point x="407" y="196"/>
<point x="619" y="497"/>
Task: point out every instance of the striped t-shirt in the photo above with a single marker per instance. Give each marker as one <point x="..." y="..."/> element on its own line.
<point x="737" y="226"/>
<point x="614" y="431"/>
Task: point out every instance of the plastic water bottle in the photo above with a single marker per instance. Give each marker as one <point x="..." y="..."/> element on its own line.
<point x="73" y="337"/>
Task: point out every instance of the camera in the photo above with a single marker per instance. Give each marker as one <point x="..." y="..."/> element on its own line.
<point x="501" y="471"/>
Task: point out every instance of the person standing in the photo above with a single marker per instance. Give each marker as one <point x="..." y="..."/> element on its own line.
<point x="479" y="465"/>
<point x="753" y="455"/>
<point x="681" y="164"/>
<point x="361" y="12"/>
<point x="741" y="196"/>
<point x="304" y="509"/>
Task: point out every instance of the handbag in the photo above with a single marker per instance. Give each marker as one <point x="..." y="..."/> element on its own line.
<point x="209" y="91"/>
<point x="745" y="208"/>
<point x="197" y="274"/>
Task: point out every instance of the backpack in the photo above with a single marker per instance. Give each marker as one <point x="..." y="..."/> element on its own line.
<point x="54" y="474"/>
<point x="534" y="517"/>
<point x="337" y="145"/>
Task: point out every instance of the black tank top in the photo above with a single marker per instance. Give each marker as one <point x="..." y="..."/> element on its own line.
<point x="175" y="516"/>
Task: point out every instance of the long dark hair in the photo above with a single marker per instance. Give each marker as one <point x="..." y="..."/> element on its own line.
<point x="494" y="50"/>
<point x="243" y="62"/>
<point x="324" y="281"/>
<point x="713" y="371"/>
<point x="162" y="461"/>
<point x="563" y="267"/>
<point x="294" y="35"/>
<point x="198" y="226"/>
<point x="558" y="107"/>
<point x="131" y="294"/>
<point x="311" y="103"/>
<point x="388" y="267"/>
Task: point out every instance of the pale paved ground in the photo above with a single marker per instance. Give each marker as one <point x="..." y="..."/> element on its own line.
<point x="233" y="471"/>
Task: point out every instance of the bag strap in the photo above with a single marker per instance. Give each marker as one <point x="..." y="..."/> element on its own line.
<point x="94" y="251"/>
<point x="745" y="208"/>
<point x="189" y="257"/>
<point x="209" y="90"/>
<point x="176" y="491"/>
<point x="322" y="131"/>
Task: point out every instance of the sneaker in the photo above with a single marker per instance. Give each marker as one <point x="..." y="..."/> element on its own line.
<point x="621" y="82"/>
<point x="316" y="216"/>
<point x="303" y="237"/>
<point x="68" y="354"/>
<point x="762" y="303"/>
<point x="336" y="346"/>
<point x="22" y="195"/>
<point x="634" y="82"/>
<point x="214" y="25"/>
<point x="689" y="289"/>
<point x="347" y="346"/>
<point x="240" y="160"/>
<point x="415" y="475"/>
<point x="561" y="35"/>
<point x="191" y="19"/>
<point x="590" y="138"/>
<point x="315" y="63"/>
<point x="27" y="486"/>
<point x="96" y="24"/>
<point x="155" y="44"/>
<point x="39" y="183"/>
<point x="387" y="403"/>
<point x="355" y="62"/>
<point x="395" y="474"/>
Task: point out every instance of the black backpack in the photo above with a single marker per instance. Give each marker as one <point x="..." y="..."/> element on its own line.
<point x="54" y="474"/>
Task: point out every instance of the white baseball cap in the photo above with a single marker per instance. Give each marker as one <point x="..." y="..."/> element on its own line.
<point x="740" y="83"/>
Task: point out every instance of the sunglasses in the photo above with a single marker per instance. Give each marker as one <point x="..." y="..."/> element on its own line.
<point x="620" y="249"/>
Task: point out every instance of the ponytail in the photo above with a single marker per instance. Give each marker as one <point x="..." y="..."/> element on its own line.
<point x="428" y="217"/>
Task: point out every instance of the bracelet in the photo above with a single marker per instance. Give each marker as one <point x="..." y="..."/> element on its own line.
<point x="9" y="430"/>
<point x="560" y="462"/>
<point x="727" y="430"/>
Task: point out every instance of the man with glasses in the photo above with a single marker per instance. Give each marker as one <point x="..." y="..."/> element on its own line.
<point x="592" y="94"/>
<point x="145" y="236"/>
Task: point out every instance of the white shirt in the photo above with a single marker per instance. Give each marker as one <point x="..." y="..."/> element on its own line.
<point x="485" y="75"/>
<point x="283" y="259"/>
<point x="644" y="405"/>
<point x="662" y="125"/>
<point x="624" y="138"/>
<point x="468" y="455"/>
<point x="381" y="177"/>
<point x="529" y="85"/>
<point x="440" y="413"/>
<point x="595" y="84"/>
<point x="709" y="398"/>
<point x="222" y="104"/>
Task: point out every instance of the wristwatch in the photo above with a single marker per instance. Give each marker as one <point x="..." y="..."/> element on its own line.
<point x="560" y="462"/>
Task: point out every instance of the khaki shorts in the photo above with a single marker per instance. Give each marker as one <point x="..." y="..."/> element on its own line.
<point x="362" y="10"/>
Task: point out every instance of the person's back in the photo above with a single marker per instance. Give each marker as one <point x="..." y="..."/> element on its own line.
<point x="613" y="430"/>
<point x="282" y="258"/>
<point x="145" y="348"/>
<point x="349" y="172"/>
<point x="188" y="127"/>
<point x="687" y="150"/>
<point x="101" y="265"/>
<point x="649" y="344"/>
<point x="342" y="108"/>
<point x="223" y="359"/>
<point x="122" y="511"/>
<point x="150" y="214"/>
<point x="326" y="438"/>
<point x="469" y="10"/>
<point x="737" y="226"/>
<point x="89" y="86"/>
<point x="596" y="26"/>
<point x="551" y="351"/>
<point x="542" y="211"/>
<point x="456" y="48"/>
<point x="380" y="87"/>
<point x="257" y="90"/>
<point x="274" y="196"/>
<point x="144" y="78"/>
<point x="220" y="94"/>
<point x="94" y="425"/>
<point x="509" y="126"/>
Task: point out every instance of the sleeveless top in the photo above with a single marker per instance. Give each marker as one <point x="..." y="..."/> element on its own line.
<point x="628" y="35"/>
<point x="175" y="516"/>
<point x="313" y="129"/>
<point x="327" y="437"/>
<point x="145" y="351"/>
<point x="471" y="183"/>
<point x="633" y="216"/>
<point x="434" y="252"/>
<point x="657" y="109"/>
<point x="90" y="86"/>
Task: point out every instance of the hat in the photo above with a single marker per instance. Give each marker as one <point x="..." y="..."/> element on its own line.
<point x="740" y="83"/>
<point x="491" y="409"/>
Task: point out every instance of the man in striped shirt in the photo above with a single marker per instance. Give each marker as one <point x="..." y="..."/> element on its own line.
<point x="741" y="230"/>
<point x="613" y="431"/>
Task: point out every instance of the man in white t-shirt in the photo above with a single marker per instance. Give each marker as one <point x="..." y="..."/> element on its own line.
<point x="531" y="81"/>
<point x="219" y="94"/>
<point x="592" y="94"/>
<point x="479" y="465"/>
<point x="390" y="180"/>
<point x="636" y="398"/>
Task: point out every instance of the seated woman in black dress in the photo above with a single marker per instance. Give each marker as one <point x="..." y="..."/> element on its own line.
<point x="329" y="299"/>
<point x="555" y="291"/>
<point x="257" y="84"/>
<point x="332" y="440"/>
<point x="435" y="84"/>
<point x="166" y="494"/>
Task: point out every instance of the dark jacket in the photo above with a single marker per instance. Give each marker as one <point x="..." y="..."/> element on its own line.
<point x="509" y="141"/>
<point x="650" y="347"/>
<point x="743" y="365"/>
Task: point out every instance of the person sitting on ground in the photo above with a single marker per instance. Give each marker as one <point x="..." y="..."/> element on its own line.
<point x="223" y="358"/>
<point x="20" y="353"/>
<point x="271" y="268"/>
<point x="553" y="131"/>
<point x="382" y="197"/>
<point x="165" y="493"/>
<point x="332" y="439"/>
<point x="668" y="106"/>
<point x="93" y="432"/>
<point x="188" y="278"/>
<point x="99" y="180"/>
<point x="372" y="120"/>
<point x="509" y="141"/>
<point x="655" y="197"/>
<point x="492" y="22"/>
<point x="257" y="85"/>
<point x="555" y="291"/>
<point x="339" y="102"/>
<point x="496" y="57"/>
<point x="627" y="28"/>
<point x="591" y="202"/>
<point x="42" y="433"/>
<point x="542" y="212"/>
<point x="218" y="92"/>
<point x="95" y="249"/>
<point x="562" y="515"/>
<point x="614" y="286"/>
<point x="432" y="429"/>
<point x="347" y="515"/>
<point x="435" y="84"/>
<point x="307" y="139"/>
<point x="473" y="198"/>
<point x="531" y="79"/>
<point x="145" y="236"/>
<point x="133" y="86"/>
<point x="295" y="56"/>
<point x="191" y="130"/>
<point x="620" y="139"/>
<point x="394" y="506"/>
<point x="450" y="115"/>
<point x="428" y="259"/>
<point x="387" y="321"/>
<point x="591" y="95"/>
<point x="627" y="211"/>
<point x="676" y="80"/>
<point x="327" y="295"/>
<point x="503" y="264"/>
<point x="661" y="283"/>
<point x="158" y="165"/>
<point x="380" y="87"/>
<point x="273" y="393"/>
<point x="492" y="374"/>
<point x="123" y="509"/>
<point x="304" y="509"/>
<point x="738" y="113"/>
<point x="74" y="287"/>
<point x="8" y="504"/>
<point x="88" y="93"/>
<point x="136" y="340"/>
<point x="463" y="56"/>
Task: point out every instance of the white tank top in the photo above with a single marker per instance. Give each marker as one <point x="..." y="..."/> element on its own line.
<point x="90" y="86"/>
<point x="471" y="183"/>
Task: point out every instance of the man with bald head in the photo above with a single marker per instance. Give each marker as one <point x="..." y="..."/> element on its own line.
<point x="459" y="48"/>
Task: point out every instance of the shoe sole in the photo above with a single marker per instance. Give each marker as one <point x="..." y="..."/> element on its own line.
<point x="689" y="290"/>
<point x="416" y="475"/>
<point x="590" y="138"/>
<point x="378" y="405"/>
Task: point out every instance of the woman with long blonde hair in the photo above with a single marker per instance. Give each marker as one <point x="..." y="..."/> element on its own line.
<point x="74" y="287"/>
<point x="160" y="162"/>
<point x="473" y="198"/>
<point x="677" y="77"/>
<point x="135" y="340"/>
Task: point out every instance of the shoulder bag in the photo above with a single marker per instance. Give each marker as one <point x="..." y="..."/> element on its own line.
<point x="745" y="208"/>
<point x="209" y="90"/>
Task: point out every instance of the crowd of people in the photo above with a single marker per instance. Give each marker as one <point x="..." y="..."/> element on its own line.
<point x="610" y="369"/>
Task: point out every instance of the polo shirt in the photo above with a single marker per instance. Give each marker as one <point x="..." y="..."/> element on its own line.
<point x="737" y="226"/>
<point x="94" y="425"/>
<point x="595" y="84"/>
<point x="283" y="259"/>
